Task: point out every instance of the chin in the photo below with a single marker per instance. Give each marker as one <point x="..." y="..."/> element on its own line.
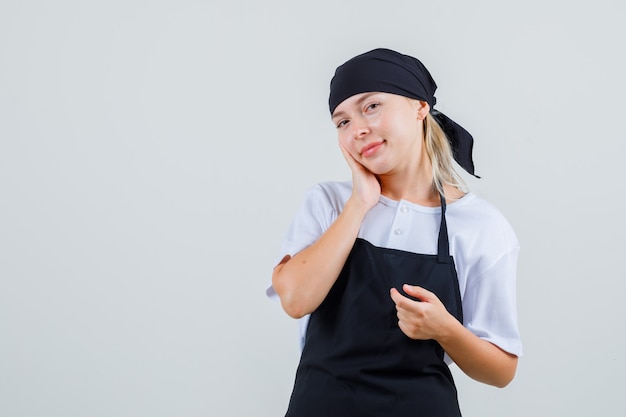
<point x="377" y="170"/>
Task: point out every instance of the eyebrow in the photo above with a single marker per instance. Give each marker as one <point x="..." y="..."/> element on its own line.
<point x="358" y="102"/>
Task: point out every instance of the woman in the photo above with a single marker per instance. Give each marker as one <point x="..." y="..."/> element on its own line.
<point x="400" y="271"/>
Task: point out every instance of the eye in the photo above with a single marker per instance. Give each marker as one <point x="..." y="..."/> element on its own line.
<point x="342" y="123"/>
<point x="372" y="106"/>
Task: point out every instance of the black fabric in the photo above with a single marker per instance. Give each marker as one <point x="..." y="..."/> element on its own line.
<point x="387" y="71"/>
<point x="356" y="361"/>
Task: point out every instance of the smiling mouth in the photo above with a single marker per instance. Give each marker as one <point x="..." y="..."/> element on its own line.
<point x="371" y="149"/>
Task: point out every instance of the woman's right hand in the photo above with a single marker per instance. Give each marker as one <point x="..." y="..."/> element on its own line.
<point x="365" y="186"/>
<point x="303" y="281"/>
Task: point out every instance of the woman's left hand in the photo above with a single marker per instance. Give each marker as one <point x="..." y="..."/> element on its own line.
<point x="423" y="320"/>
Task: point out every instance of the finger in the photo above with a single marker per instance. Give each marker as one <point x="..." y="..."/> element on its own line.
<point x="349" y="159"/>
<point x="396" y="296"/>
<point x="405" y="316"/>
<point x="403" y="328"/>
<point x="284" y="260"/>
<point x="282" y="263"/>
<point x="419" y="292"/>
<point x="411" y="312"/>
<point x="409" y="330"/>
<point x="403" y="303"/>
<point x="355" y="166"/>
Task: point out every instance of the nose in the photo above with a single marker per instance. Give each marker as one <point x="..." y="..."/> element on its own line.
<point x="359" y="128"/>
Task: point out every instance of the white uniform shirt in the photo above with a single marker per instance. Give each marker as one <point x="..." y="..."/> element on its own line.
<point x="482" y="243"/>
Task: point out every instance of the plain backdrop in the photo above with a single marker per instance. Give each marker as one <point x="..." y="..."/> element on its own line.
<point x="152" y="154"/>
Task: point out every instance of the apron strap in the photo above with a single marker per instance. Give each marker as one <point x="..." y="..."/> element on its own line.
<point x="443" y="246"/>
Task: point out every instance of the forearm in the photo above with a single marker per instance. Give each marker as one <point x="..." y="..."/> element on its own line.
<point x="303" y="281"/>
<point x="478" y="358"/>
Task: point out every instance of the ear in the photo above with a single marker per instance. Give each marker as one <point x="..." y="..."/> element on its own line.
<point x="423" y="109"/>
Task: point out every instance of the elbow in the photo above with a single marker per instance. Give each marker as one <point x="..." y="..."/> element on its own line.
<point x="507" y="374"/>
<point x="503" y="382"/>
<point x="291" y="303"/>
<point x="498" y="373"/>
<point x="293" y="309"/>
<point x="498" y="381"/>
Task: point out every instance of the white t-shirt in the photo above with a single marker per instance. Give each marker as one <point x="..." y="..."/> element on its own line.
<point x="482" y="243"/>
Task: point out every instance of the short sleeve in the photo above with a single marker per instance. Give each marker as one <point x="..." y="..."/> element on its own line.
<point x="314" y="216"/>
<point x="489" y="304"/>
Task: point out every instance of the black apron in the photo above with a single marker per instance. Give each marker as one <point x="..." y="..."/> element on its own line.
<point x="356" y="361"/>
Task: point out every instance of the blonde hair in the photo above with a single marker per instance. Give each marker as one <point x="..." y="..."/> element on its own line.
<point x="440" y="153"/>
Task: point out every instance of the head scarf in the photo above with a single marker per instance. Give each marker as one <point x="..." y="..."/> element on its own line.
<point x="387" y="71"/>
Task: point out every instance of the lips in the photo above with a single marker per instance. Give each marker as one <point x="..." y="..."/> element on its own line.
<point x="371" y="149"/>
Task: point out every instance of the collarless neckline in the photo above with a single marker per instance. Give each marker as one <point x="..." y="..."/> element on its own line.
<point x="425" y="209"/>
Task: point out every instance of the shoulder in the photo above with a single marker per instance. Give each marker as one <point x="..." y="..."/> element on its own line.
<point x="471" y="205"/>
<point x="472" y="210"/>
<point x="321" y="204"/>
<point x="333" y="189"/>
<point x="485" y="253"/>
<point x="331" y="194"/>
<point x="319" y="208"/>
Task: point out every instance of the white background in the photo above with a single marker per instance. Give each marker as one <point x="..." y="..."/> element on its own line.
<point x="152" y="154"/>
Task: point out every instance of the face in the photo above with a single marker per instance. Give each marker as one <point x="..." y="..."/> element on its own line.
<point x="383" y="132"/>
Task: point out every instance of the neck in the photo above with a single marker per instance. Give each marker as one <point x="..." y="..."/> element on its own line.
<point x="414" y="185"/>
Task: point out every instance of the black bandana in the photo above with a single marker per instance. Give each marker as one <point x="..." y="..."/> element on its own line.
<point x="387" y="71"/>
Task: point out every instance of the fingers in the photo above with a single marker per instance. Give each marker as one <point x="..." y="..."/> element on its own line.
<point x="355" y="166"/>
<point x="410" y="315"/>
<point x="284" y="260"/>
<point x="365" y="186"/>
<point x="397" y="297"/>
<point x="424" y="319"/>
<point x="419" y="292"/>
<point x="349" y="159"/>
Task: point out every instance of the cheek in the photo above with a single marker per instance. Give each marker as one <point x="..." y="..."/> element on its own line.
<point x="349" y="145"/>
<point x="345" y="140"/>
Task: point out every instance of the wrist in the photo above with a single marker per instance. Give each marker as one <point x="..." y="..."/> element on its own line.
<point x="449" y="330"/>
<point x="355" y="208"/>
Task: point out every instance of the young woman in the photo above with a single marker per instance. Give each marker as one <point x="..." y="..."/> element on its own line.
<point x="400" y="271"/>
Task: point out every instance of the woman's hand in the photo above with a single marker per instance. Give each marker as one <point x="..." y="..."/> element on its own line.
<point x="365" y="186"/>
<point x="425" y="319"/>
<point x="303" y="281"/>
<point x="429" y="319"/>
